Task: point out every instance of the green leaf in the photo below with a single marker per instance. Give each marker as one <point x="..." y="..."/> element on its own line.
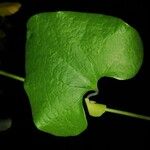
<point x="66" y="54"/>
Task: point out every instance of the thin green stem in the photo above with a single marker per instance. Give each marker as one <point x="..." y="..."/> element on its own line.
<point x="6" y="74"/>
<point x="134" y="115"/>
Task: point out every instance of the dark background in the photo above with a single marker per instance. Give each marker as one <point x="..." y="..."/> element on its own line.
<point x="107" y="132"/>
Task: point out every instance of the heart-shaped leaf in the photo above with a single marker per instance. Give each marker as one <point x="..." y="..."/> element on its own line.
<point x="66" y="54"/>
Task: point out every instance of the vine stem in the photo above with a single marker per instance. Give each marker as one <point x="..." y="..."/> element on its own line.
<point x="97" y="109"/>
<point x="6" y="74"/>
<point x="126" y="113"/>
<point x="120" y="112"/>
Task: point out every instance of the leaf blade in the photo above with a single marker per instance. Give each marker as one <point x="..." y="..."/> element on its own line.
<point x="67" y="53"/>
